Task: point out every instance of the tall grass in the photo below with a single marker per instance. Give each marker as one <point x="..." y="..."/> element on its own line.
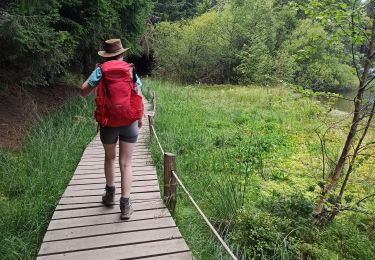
<point x="33" y="179"/>
<point x="248" y="156"/>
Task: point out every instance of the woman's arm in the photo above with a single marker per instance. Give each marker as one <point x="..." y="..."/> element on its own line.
<point x="91" y="82"/>
<point x="85" y="88"/>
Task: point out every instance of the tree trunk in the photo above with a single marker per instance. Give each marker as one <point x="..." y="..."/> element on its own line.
<point x="336" y="173"/>
<point x="337" y="207"/>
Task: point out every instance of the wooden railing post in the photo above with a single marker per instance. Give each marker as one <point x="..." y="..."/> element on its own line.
<point x="169" y="181"/>
<point x="150" y="123"/>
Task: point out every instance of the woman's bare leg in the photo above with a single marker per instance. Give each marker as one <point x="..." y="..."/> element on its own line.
<point x="125" y="160"/>
<point x="109" y="164"/>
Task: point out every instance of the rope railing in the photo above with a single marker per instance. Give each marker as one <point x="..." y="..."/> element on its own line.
<point x="157" y="140"/>
<point x="204" y="217"/>
<point x="171" y="178"/>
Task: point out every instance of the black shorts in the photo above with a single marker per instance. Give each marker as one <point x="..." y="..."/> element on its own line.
<point x="128" y="133"/>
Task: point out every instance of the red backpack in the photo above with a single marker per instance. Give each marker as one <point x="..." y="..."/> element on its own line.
<point x="117" y="100"/>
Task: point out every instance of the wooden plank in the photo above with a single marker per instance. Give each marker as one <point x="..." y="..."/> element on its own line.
<point x="81" y="193"/>
<point x="98" y="198"/>
<point x="117" y="178"/>
<point x="80" y="232"/>
<point x="97" y="148"/>
<point x="97" y="142"/>
<point x="139" y="183"/>
<point x="137" y="158"/>
<point x="87" y="243"/>
<point x="135" y="173"/>
<point x="118" y="184"/>
<point x="126" y="251"/>
<point x="99" y="161"/>
<point x="100" y="157"/>
<point x="100" y="174"/>
<point x="105" y="219"/>
<point x="102" y="210"/>
<point x="99" y="166"/>
<point x="101" y="149"/>
<point x="144" y="168"/>
<point x="135" y="199"/>
<point x="175" y="256"/>
<point x="88" y="155"/>
<point x="99" y="145"/>
<point x="101" y="152"/>
<point x="96" y="173"/>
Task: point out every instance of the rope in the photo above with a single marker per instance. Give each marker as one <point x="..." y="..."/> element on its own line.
<point x="157" y="140"/>
<point x="205" y="218"/>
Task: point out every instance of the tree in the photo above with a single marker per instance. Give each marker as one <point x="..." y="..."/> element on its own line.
<point x="352" y="24"/>
<point x="175" y="10"/>
<point x="40" y="40"/>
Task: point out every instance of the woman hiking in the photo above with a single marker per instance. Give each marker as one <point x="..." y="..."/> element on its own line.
<point x="118" y="110"/>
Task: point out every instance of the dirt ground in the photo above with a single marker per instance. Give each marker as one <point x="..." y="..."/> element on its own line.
<point x="19" y="108"/>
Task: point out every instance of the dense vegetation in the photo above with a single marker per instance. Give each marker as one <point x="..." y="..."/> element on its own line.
<point x="33" y="179"/>
<point x="41" y="40"/>
<point x="254" y="166"/>
<point x="263" y="42"/>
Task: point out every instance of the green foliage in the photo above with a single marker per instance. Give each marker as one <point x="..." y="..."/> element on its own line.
<point x="317" y="61"/>
<point x="42" y="39"/>
<point x="251" y="165"/>
<point x="92" y="22"/>
<point x="33" y="180"/>
<point x="346" y="19"/>
<point x="259" y="37"/>
<point x="194" y="51"/>
<point x="210" y="47"/>
<point x="275" y="228"/>
<point x="264" y="236"/>
<point x="176" y="9"/>
<point x="32" y="52"/>
<point x="295" y="206"/>
<point x="346" y="239"/>
<point x="263" y="42"/>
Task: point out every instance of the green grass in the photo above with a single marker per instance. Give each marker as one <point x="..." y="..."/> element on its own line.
<point x="247" y="154"/>
<point x="251" y="159"/>
<point x="33" y="179"/>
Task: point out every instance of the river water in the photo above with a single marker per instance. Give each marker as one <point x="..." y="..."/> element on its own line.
<point x="343" y="104"/>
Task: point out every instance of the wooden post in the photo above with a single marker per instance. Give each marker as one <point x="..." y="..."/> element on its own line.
<point x="150" y="123"/>
<point x="169" y="181"/>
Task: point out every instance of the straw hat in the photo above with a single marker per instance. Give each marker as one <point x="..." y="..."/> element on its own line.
<point x="112" y="47"/>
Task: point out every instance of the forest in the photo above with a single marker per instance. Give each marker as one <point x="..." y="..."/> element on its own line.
<point x="247" y="94"/>
<point x="263" y="42"/>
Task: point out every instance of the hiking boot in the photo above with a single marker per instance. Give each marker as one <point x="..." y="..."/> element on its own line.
<point x="126" y="209"/>
<point x="109" y="196"/>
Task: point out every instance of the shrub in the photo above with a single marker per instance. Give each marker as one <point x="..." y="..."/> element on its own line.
<point x="264" y="236"/>
<point x="41" y="39"/>
<point x="258" y="32"/>
<point x="294" y="206"/>
<point x="235" y="43"/>
<point x="319" y="64"/>
<point x="345" y="238"/>
<point x="32" y="52"/>
<point x="193" y="51"/>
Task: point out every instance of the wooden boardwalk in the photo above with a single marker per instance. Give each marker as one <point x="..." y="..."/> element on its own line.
<point x="82" y="228"/>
